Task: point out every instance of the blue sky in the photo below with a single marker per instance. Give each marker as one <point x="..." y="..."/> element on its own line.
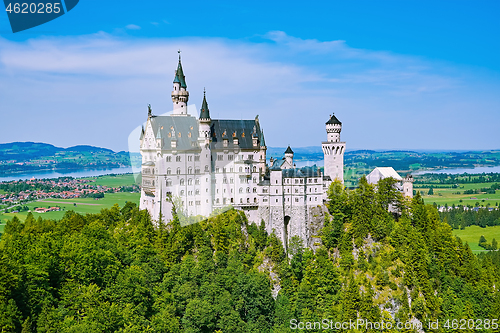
<point x="398" y="74"/>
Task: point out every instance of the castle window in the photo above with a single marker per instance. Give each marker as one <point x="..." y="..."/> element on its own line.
<point x="296" y="190"/>
<point x="169" y="171"/>
<point x="190" y="203"/>
<point x="197" y="171"/>
<point x="169" y="158"/>
<point x="241" y="190"/>
<point x="254" y="190"/>
<point x="230" y="157"/>
<point x="190" y="193"/>
<point x="310" y="190"/>
<point x="241" y="200"/>
<point x="315" y="180"/>
<point x="190" y="181"/>
<point x="255" y="200"/>
<point x="197" y="158"/>
<point x="182" y="192"/>
<point x="217" y="200"/>
<point x="232" y="200"/>
<point x="276" y="200"/>
<point x="182" y="181"/>
<point x="250" y="157"/>
<point x="302" y="181"/>
<point x="206" y="168"/>
<point x="224" y="181"/>
<point x="169" y="182"/>
<point x="179" y="135"/>
<point x="177" y="158"/>
<point x="288" y="191"/>
<point x="224" y="170"/>
<point x="178" y="171"/>
<point x="220" y="157"/>
<point x="231" y="180"/>
<point x="241" y="169"/>
<point x="316" y="189"/>
<point x="309" y="180"/>
<point x="224" y="201"/>
<point x="296" y="199"/>
<point x="190" y="158"/>
<point x="248" y="189"/>
<point x="316" y="199"/>
<point x="255" y="180"/>
<point x="190" y="170"/>
<point x="217" y="170"/>
<point x="197" y="192"/>
<point x="254" y="169"/>
<point x="296" y="181"/>
<point x="198" y="203"/>
<point x="276" y="191"/>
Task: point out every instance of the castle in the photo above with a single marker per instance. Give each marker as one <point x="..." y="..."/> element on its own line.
<point x="200" y="164"/>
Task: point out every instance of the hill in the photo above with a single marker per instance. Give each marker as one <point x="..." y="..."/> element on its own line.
<point x="117" y="271"/>
<point x="18" y="157"/>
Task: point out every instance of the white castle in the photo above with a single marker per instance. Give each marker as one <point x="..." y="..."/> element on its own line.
<point x="203" y="164"/>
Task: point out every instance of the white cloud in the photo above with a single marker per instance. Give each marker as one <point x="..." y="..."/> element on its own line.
<point x="133" y="27"/>
<point x="94" y="89"/>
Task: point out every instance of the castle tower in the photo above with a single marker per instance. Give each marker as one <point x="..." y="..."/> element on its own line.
<point x="408" y="186"/>
<point x="204" y="139"/>
<point x="333" y="150"/>
<point x="180" y="95"/>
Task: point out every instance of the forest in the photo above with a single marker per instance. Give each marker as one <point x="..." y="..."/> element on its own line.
<point x="382" y="258"/>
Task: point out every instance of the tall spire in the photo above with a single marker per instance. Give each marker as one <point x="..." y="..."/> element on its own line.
<point x="180" y="95"/>
<point x="179" y="73"/>
<point x="204" y="112"/>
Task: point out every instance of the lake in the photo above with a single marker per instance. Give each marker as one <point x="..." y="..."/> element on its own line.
<point x="66" y="173"/>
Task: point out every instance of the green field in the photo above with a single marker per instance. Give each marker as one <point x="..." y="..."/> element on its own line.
<point x="445" y="195"/>
<point x="83" y="206"/>
<point x="114" y="181"/>
<point x="471" y="235"/>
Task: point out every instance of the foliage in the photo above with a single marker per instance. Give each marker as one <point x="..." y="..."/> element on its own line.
<point x="383" y="258"/>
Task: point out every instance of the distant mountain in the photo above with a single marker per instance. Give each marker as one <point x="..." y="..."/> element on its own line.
<point x="24" y="151"/>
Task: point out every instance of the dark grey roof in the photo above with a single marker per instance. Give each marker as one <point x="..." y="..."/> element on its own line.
<point x="179" y="75"/>
<point x="169" y="127"/>
<point x="308" y="171"/>
<point x="333" y="120"/>
<point x="243" y="130"/>
<point x="289" y="150"/>
<point x="276" y="165"/>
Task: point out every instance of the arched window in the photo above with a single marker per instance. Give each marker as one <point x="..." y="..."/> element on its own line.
<point x="178" y="171"/>
<point x="190" y="170"/>
<point x="255" y="200"/>
<point x="241" y="169"/>
<point x="182" y="192"/>
<point x="169" y="171"/>
<point x="254" y="169"/>
<point x="241" y="190"/>
<point x="190" y="181"/>
<point x="248" y="200"/>
<point x="206" y="168"/>
<point x="254" y="190"/>
<point x="248" y="189"/>
<point x="169" y="182"/>
<point x="182" y="181"/>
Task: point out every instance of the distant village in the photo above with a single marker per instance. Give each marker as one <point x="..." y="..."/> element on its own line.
<point x="20" y="192"/>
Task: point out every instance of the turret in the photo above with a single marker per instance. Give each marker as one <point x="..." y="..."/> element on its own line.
<point x="333" y="150"/>
<point x="180" y="95"/>
<point x="408" y="186"/>
<point x="289" y="157"/>
<point x="205" y="121"/>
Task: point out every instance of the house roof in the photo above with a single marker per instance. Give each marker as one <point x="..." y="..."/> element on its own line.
<point x="289" y="150"/>
<point x="387" y="172"/>
<point x="182" y="129"/>
<point x="179" y="75"/>
<point x="243" y="130"/>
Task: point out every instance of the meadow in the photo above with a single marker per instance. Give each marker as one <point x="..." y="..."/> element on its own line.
<point x="471" y="235"/>
<point x="115" y="180"/>
<point x="82" y="206"/>
<point x="447" y="195"/>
